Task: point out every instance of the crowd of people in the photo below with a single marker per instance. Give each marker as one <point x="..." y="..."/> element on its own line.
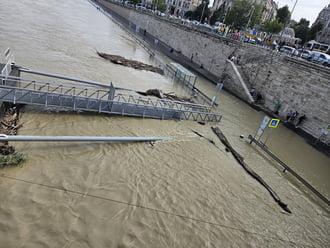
<point x="291" y="117"/>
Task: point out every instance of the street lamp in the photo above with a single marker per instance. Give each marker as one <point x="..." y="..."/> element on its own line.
<point x="204" y="2"/>
<point x="252" y="11"/>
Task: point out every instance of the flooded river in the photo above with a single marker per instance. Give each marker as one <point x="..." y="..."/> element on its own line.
<point x="184" y="192"/>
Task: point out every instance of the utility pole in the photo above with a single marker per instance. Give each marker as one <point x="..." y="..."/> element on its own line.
<point x="252" y="11"/>
<point x="204" y="2"/>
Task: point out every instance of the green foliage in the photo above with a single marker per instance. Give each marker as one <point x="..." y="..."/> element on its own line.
<point x="283" y="14"/>
<point x="12" y="159"/>
<point x="160" y="5"/>
<point x="244" y="14"/>
<point x="314" y="30"/>
<point x="135" y="2"/>
<point x="301" y="30"/>
<point x="218" y="15"/>
<point x="197" y="14"/>
<point x="273" y="27"/>
<point x="304" y="22"/>
<point x="189" y="14"/>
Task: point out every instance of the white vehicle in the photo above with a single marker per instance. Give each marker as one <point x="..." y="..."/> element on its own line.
<point x="320" y="58"/>
<point x="195" y="22"/>
<point x="305" y="54"/>
<point x="288" y="50"/>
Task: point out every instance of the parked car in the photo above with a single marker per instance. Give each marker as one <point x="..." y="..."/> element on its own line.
<point x="195" y="22"/>
<point x="206" y="27"/>
<point x="320" y="58"/>
<point x="305" y="54"/>
<point x="288" y="50"/>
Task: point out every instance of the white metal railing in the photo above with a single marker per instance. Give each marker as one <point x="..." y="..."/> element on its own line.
<point x="7" y="68"/>
<point x="6" y="59"/>
<point x="91" y="92"/>
<point x="76" y="97"/>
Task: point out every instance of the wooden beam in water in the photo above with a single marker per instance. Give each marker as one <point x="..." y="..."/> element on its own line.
<point x="240" y="159"/>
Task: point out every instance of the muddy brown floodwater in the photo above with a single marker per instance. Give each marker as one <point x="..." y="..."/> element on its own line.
<point x="184" y="192"/>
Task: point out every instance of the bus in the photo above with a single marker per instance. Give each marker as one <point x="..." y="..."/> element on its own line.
<point x="319" y="47"/>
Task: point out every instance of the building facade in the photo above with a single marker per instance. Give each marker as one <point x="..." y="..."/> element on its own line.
<point x="269" y="9"/>
<point x="324" y="17"/>
<point x="180" y="7"/>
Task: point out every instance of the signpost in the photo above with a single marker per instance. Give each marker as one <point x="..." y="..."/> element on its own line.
<point x="274" y="123"/>
<point x="218" y="88"/>
<point x="262" y="127"/>
<point x="266" y="122"/>
<point x="328" y="127"/>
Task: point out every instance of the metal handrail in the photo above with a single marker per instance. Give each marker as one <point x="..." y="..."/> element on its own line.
<point x="80" y="103"/>
<point x="65" y="89"/>
<point x="287" y="168"/>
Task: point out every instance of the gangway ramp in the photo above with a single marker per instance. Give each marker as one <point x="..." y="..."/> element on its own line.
<point x="111" y="101"/>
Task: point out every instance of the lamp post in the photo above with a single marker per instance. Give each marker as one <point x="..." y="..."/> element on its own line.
<point x="252" y="11"/>
<point x="204" y="2"/>
<point x="167" y="7"/>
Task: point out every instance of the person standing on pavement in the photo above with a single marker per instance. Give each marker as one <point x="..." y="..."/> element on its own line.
<point x="288" y="115"/>
<point x="300" y="120"/>
<point x="238" y="60"/>
<point x="293" y="116"/>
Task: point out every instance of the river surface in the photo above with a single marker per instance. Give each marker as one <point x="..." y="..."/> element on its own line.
<point x="184" y="192"/>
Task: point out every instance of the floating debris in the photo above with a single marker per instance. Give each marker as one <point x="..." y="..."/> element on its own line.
<point x="119" y="60"/>
<point x="9" y="126"/>
<point x="170" y="96"/>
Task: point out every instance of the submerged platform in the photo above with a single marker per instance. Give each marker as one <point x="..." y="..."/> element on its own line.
<point x="97" y="97"/>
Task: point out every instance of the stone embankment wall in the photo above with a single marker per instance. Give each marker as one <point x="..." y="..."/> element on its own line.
<point x="292" y="82"/>
<point x="298" y="86"/>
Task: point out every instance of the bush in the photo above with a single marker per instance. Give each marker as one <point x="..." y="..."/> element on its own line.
<point x="12" y="159"/>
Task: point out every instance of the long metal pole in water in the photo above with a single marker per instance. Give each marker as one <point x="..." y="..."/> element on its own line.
<point x="27" y="70"/>
<point x="4" y="137"/>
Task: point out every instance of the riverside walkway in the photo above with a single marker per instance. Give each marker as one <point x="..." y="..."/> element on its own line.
<point x="110" y="100"/>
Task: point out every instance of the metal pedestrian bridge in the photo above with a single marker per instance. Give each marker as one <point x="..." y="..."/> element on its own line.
<point x="110" y="100"/>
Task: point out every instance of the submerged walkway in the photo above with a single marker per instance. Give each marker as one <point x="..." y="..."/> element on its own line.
<point x="73" y="97"/>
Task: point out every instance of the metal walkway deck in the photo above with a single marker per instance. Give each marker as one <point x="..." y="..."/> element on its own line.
<point x="74" y="97"/>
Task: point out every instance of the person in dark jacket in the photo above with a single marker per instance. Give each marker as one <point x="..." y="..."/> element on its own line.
<point x="300" y="120"/>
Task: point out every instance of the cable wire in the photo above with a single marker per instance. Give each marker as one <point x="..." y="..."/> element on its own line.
<point x="154" y="210"/>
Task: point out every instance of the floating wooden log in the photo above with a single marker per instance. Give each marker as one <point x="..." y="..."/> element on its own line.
<point x="240" y="159"/>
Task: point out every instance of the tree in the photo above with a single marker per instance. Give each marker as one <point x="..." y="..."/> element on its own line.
<point x="201" y="9"/>
<point x="301" y="29"/>
<point x="135" y="2"/>
<point x="243" y="14"/>
<point x="273" y="27"/>
<point x="311" y="35"/>
<point x="283" y="14"/>
<point x="218" y="15"/>
<point x="160" y="5"/>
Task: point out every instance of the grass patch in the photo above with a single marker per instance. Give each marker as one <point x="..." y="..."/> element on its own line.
<point x="12" y="159"/>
